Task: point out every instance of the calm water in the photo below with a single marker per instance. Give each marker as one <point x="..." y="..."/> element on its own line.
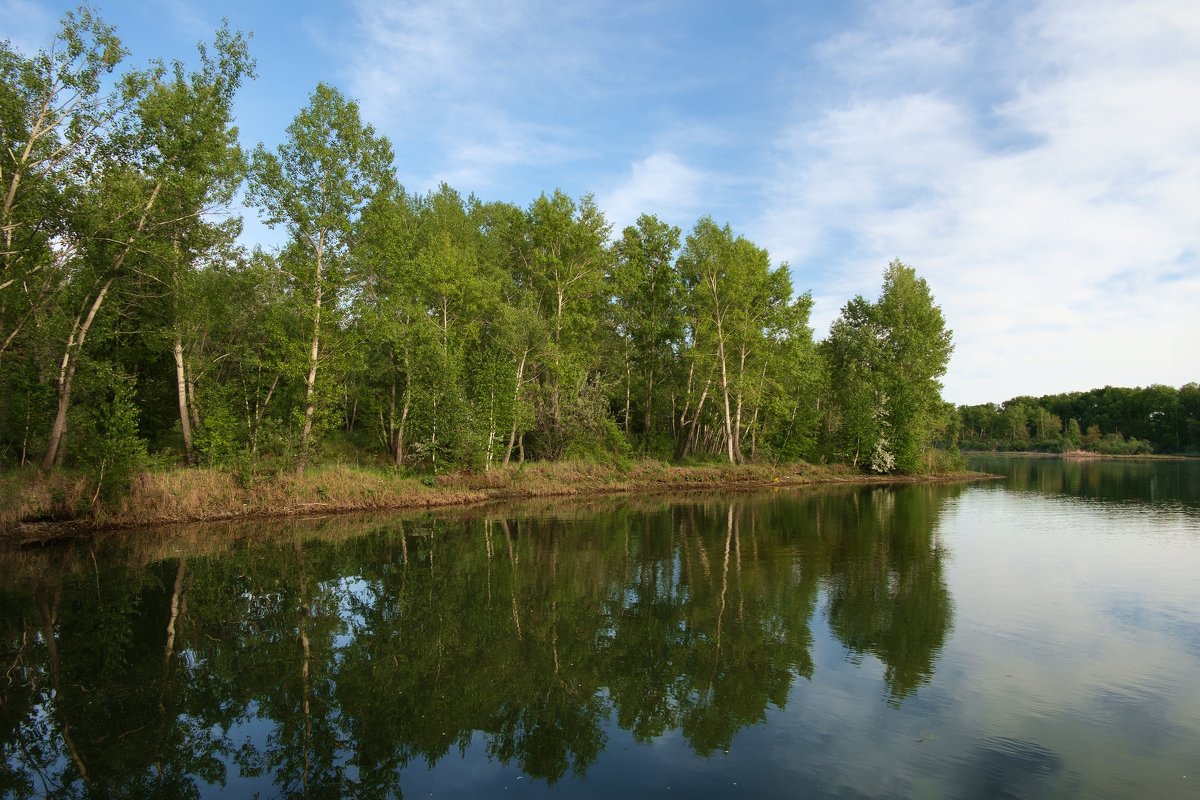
<point x="1032" y="637"/>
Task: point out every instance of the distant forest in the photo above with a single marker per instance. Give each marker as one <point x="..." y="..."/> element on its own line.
<point x="1118" y="421"/>
<point x="393" y="329"/>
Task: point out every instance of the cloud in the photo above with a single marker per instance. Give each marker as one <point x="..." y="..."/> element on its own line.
<point x="189" y="18"/>
<point x="901" y="42"/>
<point x="482" y="88"/>
<point x="1054" y="214"/>
<point x="661" y="184"/>
<point x="26" y="25"/>
<point x="498" y="144"/>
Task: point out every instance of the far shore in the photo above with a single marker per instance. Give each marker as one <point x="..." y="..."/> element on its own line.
<point x="1083" y="455"/>
<point x="36" y="509"/>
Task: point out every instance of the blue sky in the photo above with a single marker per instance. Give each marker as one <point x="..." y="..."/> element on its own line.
<point x="1038" y="163"/>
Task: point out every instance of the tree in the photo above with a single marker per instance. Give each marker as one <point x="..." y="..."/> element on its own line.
<point x="734" y="299"/>
<point x="793" y="385"/>
<point x="918" y="348"/>
<point x="886" y="360"/>
<point x="562" y="263"/>
<point x="647" y="311"/>
<point x="55" y="117"/>
<point x="211" y="167"/>
<point x="854" y="354"/>
<point x="154" y="174"/>
<point x="316" y="184"/>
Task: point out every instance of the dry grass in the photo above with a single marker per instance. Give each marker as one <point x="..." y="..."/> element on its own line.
<point x="26" y="496"/>
<point x="34" y="507"/>
<point x="186" y="495"/>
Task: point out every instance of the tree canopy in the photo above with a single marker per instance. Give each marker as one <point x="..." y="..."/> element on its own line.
<point x="426" y="331"/>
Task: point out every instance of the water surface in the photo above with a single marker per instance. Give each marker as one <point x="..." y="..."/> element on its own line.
<point x="1032" y="637"/>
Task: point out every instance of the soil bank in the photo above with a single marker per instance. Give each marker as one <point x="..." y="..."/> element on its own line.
<point x="35" y="508"/>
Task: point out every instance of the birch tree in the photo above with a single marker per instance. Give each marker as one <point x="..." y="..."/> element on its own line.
<point x="210" y="168"/>
<point x="918" y="347"/>
<point x="150" y="178"/>
<point x="564" y="260"/>
<point x="647" y="313"/>
<point x="886" y="359"/>
<point x="58" y="109"/>
<point x="734" y="299"/>
<point x="316" y="184"/>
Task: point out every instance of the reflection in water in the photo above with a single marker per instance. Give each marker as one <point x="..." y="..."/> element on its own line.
<point x="1164" y="483"/>
<point x="323" y="659"/>
<point x="1009" y="769"/>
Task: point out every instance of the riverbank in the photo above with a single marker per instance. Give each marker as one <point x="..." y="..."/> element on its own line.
<point x="1083" y="455"/>
<point x="36" y="508"/>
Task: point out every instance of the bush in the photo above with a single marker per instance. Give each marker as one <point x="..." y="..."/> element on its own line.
<point x="112" y="452"/>
<point x="220" y="441"/>
<point x="1114" y="444"/>
<point x="949" y="460"/>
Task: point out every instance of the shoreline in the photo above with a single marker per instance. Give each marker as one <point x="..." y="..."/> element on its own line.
<point x="42" y="512"/>
<point x="1082" y="455"/>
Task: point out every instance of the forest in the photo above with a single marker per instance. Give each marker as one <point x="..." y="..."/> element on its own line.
<point x="1112" y="421"/>
<point x="425" y="332"/>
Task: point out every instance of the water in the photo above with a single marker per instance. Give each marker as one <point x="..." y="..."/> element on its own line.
<point x="1032" y="637"/>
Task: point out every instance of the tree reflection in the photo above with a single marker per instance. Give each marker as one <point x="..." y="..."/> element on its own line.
<point x="360" y="652"/>
<point x="887" y="595"/>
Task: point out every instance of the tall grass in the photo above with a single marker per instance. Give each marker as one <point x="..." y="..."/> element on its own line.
<point x="29" y="500"/>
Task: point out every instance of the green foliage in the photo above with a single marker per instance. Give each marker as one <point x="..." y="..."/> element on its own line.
<point x="112" y="452"/>
<point x="885" y="360"/>
<point x="433" y="331"/>
<point x="222" y="440"/>
<point x="1115" y="421"/>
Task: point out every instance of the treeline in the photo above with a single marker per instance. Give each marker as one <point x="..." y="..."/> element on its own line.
<point x="428" y="331"/>
<point x="1112" y="420"/>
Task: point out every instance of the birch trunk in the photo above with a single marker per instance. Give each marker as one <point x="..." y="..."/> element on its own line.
<point x="647" y="418"/>
<point x="717" y="317"/>
<point x="729" y="444"/>
<point x="75" y="343"/>
<point x="185" y="418"/>
<point x="512" y="436"/>
<point x="314" y="352"/>
<point x="66" y="377"/>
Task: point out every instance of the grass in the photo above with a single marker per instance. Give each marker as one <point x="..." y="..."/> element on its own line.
<point x="34" y="507"/>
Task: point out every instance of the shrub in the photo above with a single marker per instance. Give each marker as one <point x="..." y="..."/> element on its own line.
<point x="112" y="452"/>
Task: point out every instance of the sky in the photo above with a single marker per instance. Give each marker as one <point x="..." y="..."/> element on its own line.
<point x="1038" y="163"/>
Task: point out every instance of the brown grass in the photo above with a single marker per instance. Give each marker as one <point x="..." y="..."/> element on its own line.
<point x="26" y="496"/>
<point x="37" y="508"/>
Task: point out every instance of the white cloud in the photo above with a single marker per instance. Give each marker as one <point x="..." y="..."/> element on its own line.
<point x="476" y="81"/>
<point x="189" y="18"/>
<point x="495" y="144"/>
<point x="26" y="25"/>
<point x="1066" y="252"/>
<point x="660" y="184"/>
<point x="901" y="40"/>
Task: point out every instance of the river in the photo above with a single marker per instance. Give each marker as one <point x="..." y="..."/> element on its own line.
<point x="1037" y="636"/>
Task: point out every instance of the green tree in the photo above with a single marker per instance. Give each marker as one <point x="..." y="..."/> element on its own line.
<point x="58" y="108"/>
<point x="794" y="383"/>
<point x="854" y="354"/>
<point x="735" y="301"/>
<point x="886" y="361"/>
<point x="211" y="168"/>
<point x="316" y="185"/>
<point x="647" y="313"/>
<point x="562" y="263"/>
<point x="161" y="167"/>
<point x="918" y="348"/>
